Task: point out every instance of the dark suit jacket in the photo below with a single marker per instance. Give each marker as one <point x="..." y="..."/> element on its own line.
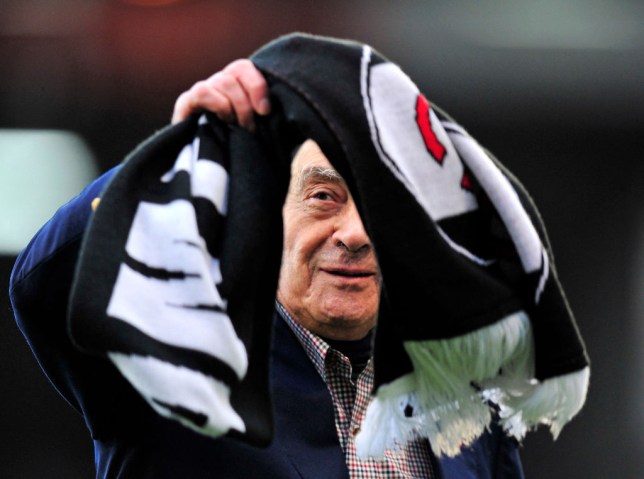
<point x="132" y="441"/>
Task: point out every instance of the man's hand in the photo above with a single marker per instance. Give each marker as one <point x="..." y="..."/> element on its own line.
<point x="233" y="94"/>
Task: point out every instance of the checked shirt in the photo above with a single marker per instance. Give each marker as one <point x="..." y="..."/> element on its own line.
<point x="350" y="401"/>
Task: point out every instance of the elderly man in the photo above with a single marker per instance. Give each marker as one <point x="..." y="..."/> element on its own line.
<point x="321" y="367"/>
<point x="328" y="298"/>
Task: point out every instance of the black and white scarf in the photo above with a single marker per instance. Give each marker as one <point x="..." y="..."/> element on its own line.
<point x="179" y="266"/>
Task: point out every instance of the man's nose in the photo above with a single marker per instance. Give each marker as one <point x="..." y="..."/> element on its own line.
<point x="350" y="232"/>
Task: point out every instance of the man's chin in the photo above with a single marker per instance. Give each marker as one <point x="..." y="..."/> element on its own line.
<point x="351" y="315"/>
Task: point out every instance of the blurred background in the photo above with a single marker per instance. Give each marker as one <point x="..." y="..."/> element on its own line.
<point x="553" y="87"/>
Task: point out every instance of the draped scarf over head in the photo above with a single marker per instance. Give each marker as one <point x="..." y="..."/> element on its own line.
<point x="179" y="267"/>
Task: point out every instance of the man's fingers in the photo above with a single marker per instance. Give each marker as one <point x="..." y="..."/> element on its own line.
<point x="252" y="82"/>
<point x="233" y="94"/>
<point x="181" y="108"/>
<point x="202" y="97"/>
<point x="227" y="85"/>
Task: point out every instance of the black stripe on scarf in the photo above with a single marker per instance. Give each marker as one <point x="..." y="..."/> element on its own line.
<point x="140" y="344"/>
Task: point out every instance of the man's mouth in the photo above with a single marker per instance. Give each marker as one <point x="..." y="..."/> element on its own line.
<point x="350" y="273"/>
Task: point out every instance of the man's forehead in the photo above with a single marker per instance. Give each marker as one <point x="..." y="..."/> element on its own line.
<point x="309" y="156"/>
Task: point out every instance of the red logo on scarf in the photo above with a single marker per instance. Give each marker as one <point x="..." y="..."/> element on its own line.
<point x="434" y="146"/>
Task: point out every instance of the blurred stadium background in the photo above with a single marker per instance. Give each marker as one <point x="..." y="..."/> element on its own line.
<point x="553" y="88"/>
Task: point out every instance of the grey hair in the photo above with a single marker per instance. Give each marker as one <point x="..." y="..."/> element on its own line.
<point x="324" y="174"/>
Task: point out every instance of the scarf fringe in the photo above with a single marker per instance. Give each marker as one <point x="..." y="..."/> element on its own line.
<point x="387" y="423"/>
<point x="458" y="382"/>
<point x="553" y="402"/>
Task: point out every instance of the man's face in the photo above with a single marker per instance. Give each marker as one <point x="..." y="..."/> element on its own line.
<point x="329" y="280"/>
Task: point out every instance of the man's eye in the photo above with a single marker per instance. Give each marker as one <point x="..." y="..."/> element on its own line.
<point x="322" y="195"/>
